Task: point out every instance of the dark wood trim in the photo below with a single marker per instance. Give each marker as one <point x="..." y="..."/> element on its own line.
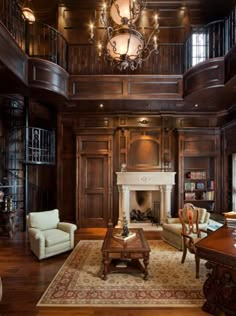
<point x="44" y="74"/>
<point x="205" y="75"/>
<point x="119" y="87"/>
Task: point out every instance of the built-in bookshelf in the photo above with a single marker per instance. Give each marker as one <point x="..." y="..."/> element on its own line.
<point x="199" y="183"/>
<point x="199" y="169"/>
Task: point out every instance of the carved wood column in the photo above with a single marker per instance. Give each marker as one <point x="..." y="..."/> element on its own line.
<point x="162" y="205"/>
<point x="124" y="204"/>
<point x="168" y="189"/>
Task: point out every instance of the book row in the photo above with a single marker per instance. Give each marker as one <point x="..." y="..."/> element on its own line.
<point x="204" y="196"/>
<point x="191" y="186"/>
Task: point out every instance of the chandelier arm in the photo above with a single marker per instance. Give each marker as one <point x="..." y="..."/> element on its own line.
<point x="151" y="36"/>
<point x="117" y="9"/>
<point x="114" y="49"/>
<point x="135" y="10"/>
<point x="150" y="52"/>
<point x="128" y="45"/>
<point x="104" y="19"/>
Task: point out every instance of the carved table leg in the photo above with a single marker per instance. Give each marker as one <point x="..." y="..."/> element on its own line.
<point x="146" y="262"/>
<point x="105" y="262"/>
<point x="220" y="290"/>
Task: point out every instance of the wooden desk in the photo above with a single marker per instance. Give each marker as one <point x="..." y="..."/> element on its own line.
<point x="220" y="287"/>
<point x="130" y="251"/>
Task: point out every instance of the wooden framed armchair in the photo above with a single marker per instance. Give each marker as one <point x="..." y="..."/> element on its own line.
<point x="189" y="217"/>
<point x="172" y="228"/>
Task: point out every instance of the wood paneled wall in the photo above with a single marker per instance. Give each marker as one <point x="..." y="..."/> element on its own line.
<point x="139" y="87"/>
<point x="73" y="22"/>
<point x="84" y="60"/>
<point x="140" y="142"/>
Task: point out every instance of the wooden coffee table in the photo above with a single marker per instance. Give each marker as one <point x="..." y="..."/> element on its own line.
<point x="123" y="256"/>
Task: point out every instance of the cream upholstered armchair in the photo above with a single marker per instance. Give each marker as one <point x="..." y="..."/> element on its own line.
<point x="172" y="228"/>
<point x="47" y="235"/>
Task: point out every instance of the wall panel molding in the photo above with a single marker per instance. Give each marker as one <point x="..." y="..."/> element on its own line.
<point x="205" y="75"/>
<point x="125" y="87"/>
<point x="47" y="75"/>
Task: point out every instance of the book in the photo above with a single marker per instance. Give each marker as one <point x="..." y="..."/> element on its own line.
<point x="231" y="222"/>
<point x="230" y="214"/>
<point x="197" y="175"/>
<point x="210" y="185"/>
<point x="213" y="225"/>
<point x="189" y="186"/>
<point x="122" y="264"/>
<point x="119" y="236"/>
<point x="200" y="186"/>
<point x="230" y="219"/>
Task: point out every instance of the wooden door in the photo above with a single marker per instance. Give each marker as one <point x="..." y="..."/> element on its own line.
<point x="94" y="180"/>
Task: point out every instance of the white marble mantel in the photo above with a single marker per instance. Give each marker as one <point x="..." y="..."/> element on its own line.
<point x="141" y="181"/>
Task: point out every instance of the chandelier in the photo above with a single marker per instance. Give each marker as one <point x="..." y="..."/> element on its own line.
<point x="123" y="44"/>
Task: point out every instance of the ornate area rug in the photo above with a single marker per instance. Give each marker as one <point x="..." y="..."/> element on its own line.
<point x="170" y="283"/>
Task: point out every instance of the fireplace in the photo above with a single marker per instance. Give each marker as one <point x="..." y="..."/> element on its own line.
<point x="145" y="206"/>
<point x="145" y="181"/>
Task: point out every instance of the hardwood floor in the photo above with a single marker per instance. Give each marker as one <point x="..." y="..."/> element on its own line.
<point x="25" y="279"/>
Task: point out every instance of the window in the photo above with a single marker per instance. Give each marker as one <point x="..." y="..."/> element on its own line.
<point x="234" y="182"/>
<point x="196" y="48"/>
<point x="199" y="47"/>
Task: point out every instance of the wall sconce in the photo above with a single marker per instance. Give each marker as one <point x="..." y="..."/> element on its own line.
<point x="27" y="10"/>
<point x="143" y="121"/>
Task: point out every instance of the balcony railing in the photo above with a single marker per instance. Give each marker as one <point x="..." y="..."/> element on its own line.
<point x="11" y="16"/>
<point x="37" y="39"/>
<point x="204" y="43"/>
<point x="211" y="41"/>
<point x="45" y="42"/>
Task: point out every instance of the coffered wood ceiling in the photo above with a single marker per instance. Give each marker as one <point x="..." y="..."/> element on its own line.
<point x="209" y="9"/>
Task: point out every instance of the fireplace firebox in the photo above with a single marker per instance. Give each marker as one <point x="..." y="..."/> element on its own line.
<point x="144" y="181"/>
